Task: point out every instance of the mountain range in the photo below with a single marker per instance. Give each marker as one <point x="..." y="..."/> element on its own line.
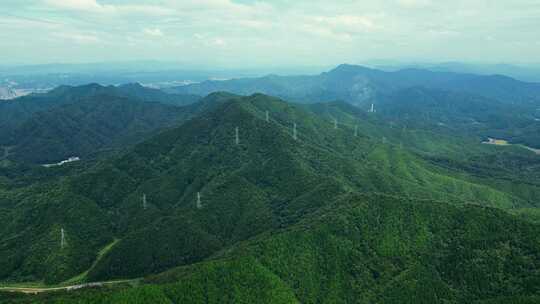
<point x="361" y="85"/>
<point x="230" y="198"/>
<point x="470" y="96"/>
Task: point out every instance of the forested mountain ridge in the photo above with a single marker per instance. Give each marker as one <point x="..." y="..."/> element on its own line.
<point x="148" y="198"/>
<point x="463" y="113"/>
<point x="89" y="125"/>
<point x="15" y="112"/>
<point x="510" y="169"/>
<point x="79" y="121"/>
<point x="359" y="249"/>
<point x="491" y="106"/>
<point x="136" y="90"/>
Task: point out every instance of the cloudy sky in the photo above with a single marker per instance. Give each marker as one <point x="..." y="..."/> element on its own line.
<point x="228" y="33"/>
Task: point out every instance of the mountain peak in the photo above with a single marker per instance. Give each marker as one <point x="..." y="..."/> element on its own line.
<point x="131" y="85"/>
<point x="218" y="97"/>
<point x="91" y="86"/>
<point x="66" y="89"/>
<point x="350" y="68"/>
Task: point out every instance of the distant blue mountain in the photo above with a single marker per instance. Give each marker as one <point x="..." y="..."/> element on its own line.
<point x="360" y="85"/>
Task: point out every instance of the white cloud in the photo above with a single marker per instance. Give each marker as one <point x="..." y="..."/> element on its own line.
<point x="25" y="23"/>
<point x="93" y="6"/>
<point x="79" y="38"/>
<point x="314" y="32"/>
<point x="342" y="27"/>
<point x="218" y="42"/>
<point x="153" y="32"/>
<point x="254" y="24"/>
<point x="414" y="3"/>
<point x="350" y="23"/>
<point x="443" y="32"/>
<point x="80" y="5"/>
<point x="145" y="10"/>
<point x="209" y="40"/>
<point x="325" y="32"/>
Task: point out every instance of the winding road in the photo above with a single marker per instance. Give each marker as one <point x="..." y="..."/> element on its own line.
<point x="36" y="290"/>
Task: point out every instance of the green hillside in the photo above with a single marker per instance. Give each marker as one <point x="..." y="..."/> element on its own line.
<point x="464" y="113"/>
<point x="81" y="121"/>
<point x="267" y="181"/>
<point x="280" y="179"/>
<point x="494" y="106"/>
<point x="511" y="169"/>
<point x="87" y="126"/>
<point x="359" y="249"/>
<point x="300" y="214"/>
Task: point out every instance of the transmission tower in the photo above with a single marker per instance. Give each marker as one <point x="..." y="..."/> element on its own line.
<point x="62" y="238"/>
<point x="199" y="204"/>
